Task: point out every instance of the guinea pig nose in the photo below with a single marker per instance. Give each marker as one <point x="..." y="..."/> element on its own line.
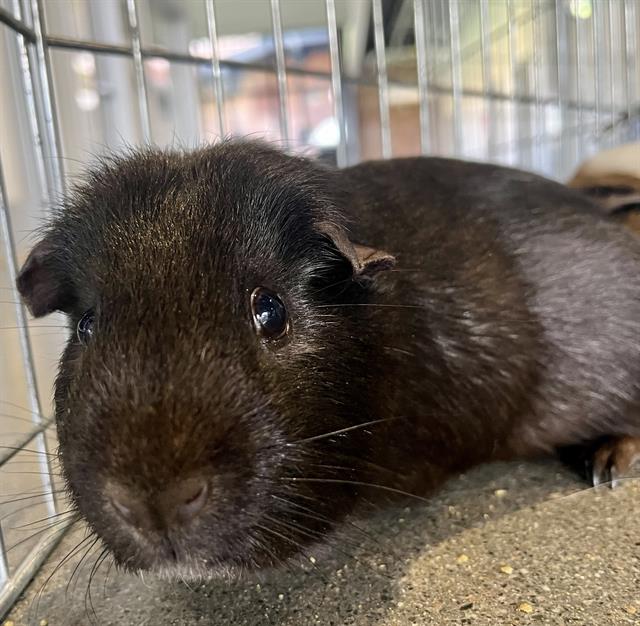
<point x="182" y="501"/>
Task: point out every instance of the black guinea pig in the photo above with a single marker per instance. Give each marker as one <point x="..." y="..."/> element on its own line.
<point x="259" y="343"/>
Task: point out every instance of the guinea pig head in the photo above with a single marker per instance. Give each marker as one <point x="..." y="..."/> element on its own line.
<point x="209" y="358"/>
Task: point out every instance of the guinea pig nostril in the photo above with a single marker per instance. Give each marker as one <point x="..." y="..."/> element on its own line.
<point x="193" y="499"/>
<point x="182" y="501"/>
<point x="123" y="510"/>
<point x="127" y="507"/>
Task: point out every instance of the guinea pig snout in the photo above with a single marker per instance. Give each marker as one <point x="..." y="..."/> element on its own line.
<point x="175" y="506"/>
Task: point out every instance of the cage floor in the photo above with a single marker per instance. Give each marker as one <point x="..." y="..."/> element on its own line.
<point x="504" y="544"/>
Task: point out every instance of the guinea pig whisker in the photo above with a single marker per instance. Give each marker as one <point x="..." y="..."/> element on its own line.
<point x="424" y="308"/>
<point x="70" y="554"/>
<point x="106" y="577"/>
<point x="18" y="449"/>
<point x="59" y="523"/>
<point x="293" y="542"/>
<point x="48" y="518"/>
<point x="305" y="497"/>
<point x="308" y="532"/>
<point x="400" y="350"/>
<point x="42" y="588"/>
<point x="442" y="313"/>
<point x="21" y="473"/>
<point x="16" y="433"/>
<point x="76" y="569"/>
<point x="94" y="570"/>
<point x="22" y="408"/>
<point x="185" y="583"/>
<point x="32" y="462"/>
<point x="355" y="462"/>
<point x="357" y="483"/>
<point x="592" y="488"/>
<point x="31" y="326"/>
<point x="342" y="430"/>
<point x="345" y="281"/>
<point x="42" y="494"/>
<point x="364" y="462"/>
<point x="344" y="468"/>
<point x="14" y="512"/>
<point x="275" y="559"/>
<point x="372" y="304"/>
<point x="312" y="514"/>
<point x="20" y="418"/>
<point x="29" y="538"/>
<point x="314" y="534"/>
<point x="296" y="544"/>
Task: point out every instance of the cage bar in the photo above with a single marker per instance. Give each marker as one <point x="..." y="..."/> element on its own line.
<point x="383" y="83"/>
<point x="611" y="71"/>
<point x="487" y="81"/>
<point x="579" y="95"/>
<point x="514" y="133"/>
<point x="4" y="216"/>
<point x="212" y="31"/>
<point x="596" y="64"/>
<point x="456" y="76"/>
<point x="42" y="86"/>
<point x="419" y="16"/>
<point x="138" y="64"/>
<point x="16" y="24"/>
<point x="336" y="81"/>
<point x="537" y="116"/>
<point x="32" y="110"/>
<point x="54" y="184"/>
<point x="4" y="568"/>
<point x="281" y="71"/>
<point x="631" y="48"/>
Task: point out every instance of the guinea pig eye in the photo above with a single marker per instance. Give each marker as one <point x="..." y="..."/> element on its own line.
<point x="269" y="313"/>
<point x="84" y="330"/>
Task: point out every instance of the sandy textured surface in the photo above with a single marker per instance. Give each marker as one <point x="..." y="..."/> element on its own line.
<point x="504" y="544"/>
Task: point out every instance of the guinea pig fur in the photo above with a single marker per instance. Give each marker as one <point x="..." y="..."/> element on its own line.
<point x="258" y="342"/>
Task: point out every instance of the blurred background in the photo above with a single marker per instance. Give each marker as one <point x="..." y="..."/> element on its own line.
<point x="538" y="84"/>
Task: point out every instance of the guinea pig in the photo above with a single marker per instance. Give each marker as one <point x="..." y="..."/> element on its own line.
<point x="259" y="343"/>
<point x="612" y="179"/>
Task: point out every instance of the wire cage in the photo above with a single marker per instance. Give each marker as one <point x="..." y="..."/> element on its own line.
<point x="538" y="84"/>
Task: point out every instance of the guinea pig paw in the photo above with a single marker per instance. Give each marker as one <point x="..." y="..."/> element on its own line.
<point x="614" y="460"/>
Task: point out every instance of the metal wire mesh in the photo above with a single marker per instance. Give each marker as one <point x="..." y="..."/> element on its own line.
<point x="534" y="83"/>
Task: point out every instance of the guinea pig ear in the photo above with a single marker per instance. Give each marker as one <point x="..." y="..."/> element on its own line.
<point x="365" y="260"/>
<point x="40" y="282"/>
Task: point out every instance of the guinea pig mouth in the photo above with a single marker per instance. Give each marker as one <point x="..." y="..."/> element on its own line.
<point x="192" y="570"/>
<point x="171" y="559"/>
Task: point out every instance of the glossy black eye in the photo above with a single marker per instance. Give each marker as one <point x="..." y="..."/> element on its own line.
<point x="269" y="313"/>
<point x="84" y="330"/>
